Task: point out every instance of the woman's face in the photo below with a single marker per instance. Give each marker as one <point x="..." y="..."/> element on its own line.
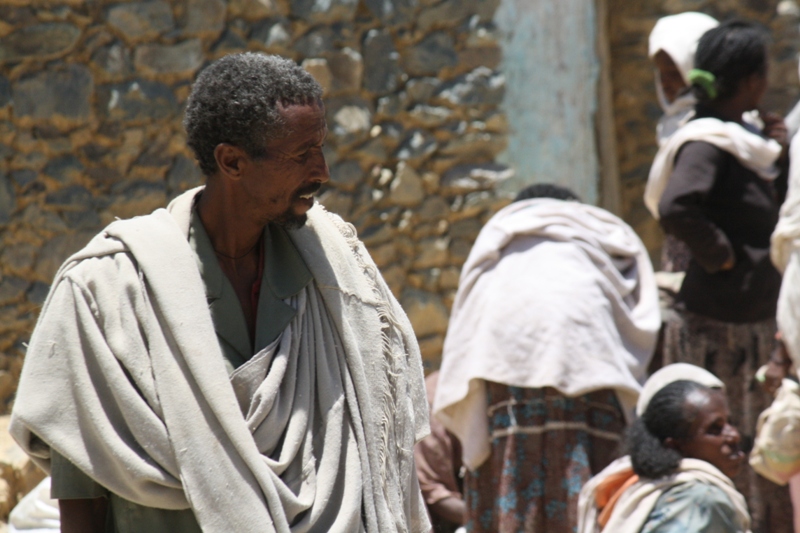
<point x="712" y="438"/>
<point x="671" y="78"/>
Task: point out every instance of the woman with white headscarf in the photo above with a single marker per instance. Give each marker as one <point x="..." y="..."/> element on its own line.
<point x="673" y="43"/>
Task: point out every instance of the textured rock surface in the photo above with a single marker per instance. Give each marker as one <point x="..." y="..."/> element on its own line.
<point x="91" y="100"/>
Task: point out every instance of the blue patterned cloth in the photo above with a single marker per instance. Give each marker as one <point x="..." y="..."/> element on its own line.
<point x="692" y="507"/>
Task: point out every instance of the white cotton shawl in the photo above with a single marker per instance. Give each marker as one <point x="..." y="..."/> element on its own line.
<point x="750" y="149"/>
<point x="635" y="505"/>
<point x="785" y="253"/>
<point x="553" y="294"/>
<point x="129" y="382"/>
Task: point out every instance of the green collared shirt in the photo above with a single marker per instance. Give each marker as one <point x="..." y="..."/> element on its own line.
<point x="285" y="275"/>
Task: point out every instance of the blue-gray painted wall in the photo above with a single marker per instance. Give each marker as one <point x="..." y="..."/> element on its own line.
<point x="551" y="70"/>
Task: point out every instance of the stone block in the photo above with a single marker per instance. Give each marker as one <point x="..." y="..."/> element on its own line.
<point x="24" y="177"/>
<point x="433" y="53"/>
<point x="8" y="199"/>
<point x="12" y="289"/>
<point x="36" y="295"/>
<point x="141" y="20"/>
<point x="417" y="146"/>
<point x="19" y="474"/>
<point x="5" y="91"/>
<point x="420" y="90"/>
<point x="229" y="42"/>
<point x="433" y="208"/>
<point x="474" y="145"/>
<point x="406" y="188"/>
<point x="64" y="91"/>
<point x="47" y="221"/>
<point x="316" y="43"/>
<point x="481" y="86"/>
<point x="40" y="41"/>
<point x="430" y="116"/>
<point x="426" y="311"/>
<point x="273" y="33"/>
<point x="464" y="179"/>
<point x="347" y="175"/>
<point x="114" y="59"/>
<point x="349" y="119"/>
<point x="253" y="9"/>
<point x="18" y="256"/>
<point x="74" y="197"/>
<point x="337" y="202"/>
<point x="136" y="100"/>
<point x="65" y="168"/>
<point x="431" y="348"/>
<point x="320" y="71"/>
<point x="450" y="278"/>
<point x="384" y="254"/>
<point x="57" y="250"/>
<point x="452" y="12"/>
<point x="347" y="70"/>
<point x="182" y="58"/>
<point x="130" y="199"/>
<point x="184" y="175"/>
<point x="432" y="252"/>
<point x="323" y="11"/>
<point x="392" y="11"/>
<point x="205" y="17"/>
<point x="383" y="73"/>
<point x="87" y="219"/>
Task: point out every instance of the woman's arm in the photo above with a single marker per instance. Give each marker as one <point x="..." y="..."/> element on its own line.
<point x="681" y="207"/>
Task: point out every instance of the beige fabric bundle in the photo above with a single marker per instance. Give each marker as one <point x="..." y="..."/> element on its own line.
<point x="124" y="377"/>
<point x="636" y="504"/>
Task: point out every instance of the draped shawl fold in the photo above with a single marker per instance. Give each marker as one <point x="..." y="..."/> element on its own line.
<point x="125" y="378"/>
<point x="635" y="505"/>
<point x="750" y="149"/>
<point x="553" y="294"/>
<point x="785" y="253"/>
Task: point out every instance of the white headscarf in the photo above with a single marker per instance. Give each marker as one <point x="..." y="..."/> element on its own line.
<point x="678" y="35"/>
<point x="670" y="374"/>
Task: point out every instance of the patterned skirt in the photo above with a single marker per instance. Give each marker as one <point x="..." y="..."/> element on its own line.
<point x="545" y="446"/>
<point x="734" y="352"/>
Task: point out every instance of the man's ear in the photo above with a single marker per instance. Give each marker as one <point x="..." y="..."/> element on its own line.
<point x="231" y="160"/>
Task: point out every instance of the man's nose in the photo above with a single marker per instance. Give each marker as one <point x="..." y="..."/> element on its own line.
<point x="321" y="172"/>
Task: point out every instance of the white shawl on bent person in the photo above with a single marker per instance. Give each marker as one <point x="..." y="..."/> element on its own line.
<point x="750" y="149"/>
<point x="129" y="383"/>
<point x="633" y="508"/>
<point x="553" y="294"/>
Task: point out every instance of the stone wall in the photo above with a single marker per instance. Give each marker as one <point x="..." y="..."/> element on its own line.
<point x="636" y="106"/>
<point x="91" y="98"/>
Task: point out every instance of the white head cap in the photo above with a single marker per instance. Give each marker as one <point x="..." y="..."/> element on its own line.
<point x="670" y="374"/>
<point x="678" y="35"/>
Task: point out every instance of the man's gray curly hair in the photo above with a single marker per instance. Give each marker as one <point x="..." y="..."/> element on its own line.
<point x="236" y="99"/>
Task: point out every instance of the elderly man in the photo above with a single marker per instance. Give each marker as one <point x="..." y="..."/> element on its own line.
<point x="234" y="363"/>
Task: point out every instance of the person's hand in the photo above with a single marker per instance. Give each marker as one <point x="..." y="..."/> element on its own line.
<point x="775" y="128"/>
<point x="777" y="367"/>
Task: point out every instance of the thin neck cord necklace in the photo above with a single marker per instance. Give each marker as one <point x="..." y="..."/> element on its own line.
<point x="258" y="241"/>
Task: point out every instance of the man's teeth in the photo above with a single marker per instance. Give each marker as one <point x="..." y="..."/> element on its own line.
<point x="307" y="196"/>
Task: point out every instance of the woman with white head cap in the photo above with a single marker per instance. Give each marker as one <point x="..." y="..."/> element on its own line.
<point x="673" y="43"/>
<point x="683" y="452"/>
